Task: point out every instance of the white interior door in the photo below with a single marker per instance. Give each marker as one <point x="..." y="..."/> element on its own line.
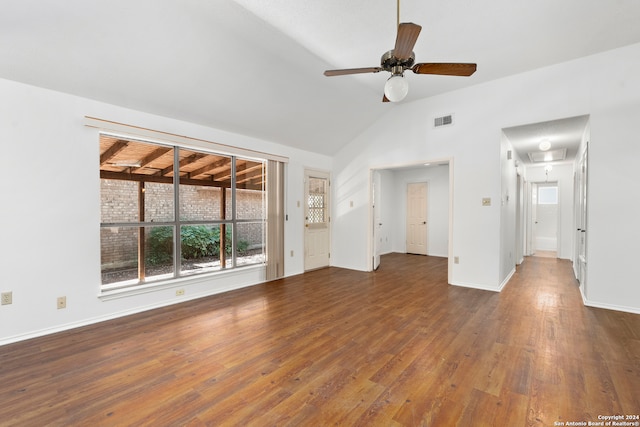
<point x="417" y="218"/>
<point x="377" y="219"/>
<point x="534" y="219"/>
<point x="316" y="224"/>
<point x="546" y="217"/>
<point x="581" y="221"/>
<point x="519" y="220"/>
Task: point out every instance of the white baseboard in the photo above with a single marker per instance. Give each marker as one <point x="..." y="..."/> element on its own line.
<point x="116" y="315"/>
<point x="484" y="287"/>
<point x="596" y="304"/>
<point x="475" y="286"/>
<point x="438" y="255"/>
<point x="506" y="280"/>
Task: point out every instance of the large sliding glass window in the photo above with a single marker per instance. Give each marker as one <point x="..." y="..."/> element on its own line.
<point x="158" y="224"/>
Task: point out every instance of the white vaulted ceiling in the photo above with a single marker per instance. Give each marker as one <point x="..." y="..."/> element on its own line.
<point x="255" y="66"/>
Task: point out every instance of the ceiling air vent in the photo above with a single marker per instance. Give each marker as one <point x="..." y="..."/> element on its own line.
<point x="548" y="156"/>
<point x="443" y="121"/>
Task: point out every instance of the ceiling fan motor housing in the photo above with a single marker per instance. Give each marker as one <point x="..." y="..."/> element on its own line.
<point x="394" y="65"/>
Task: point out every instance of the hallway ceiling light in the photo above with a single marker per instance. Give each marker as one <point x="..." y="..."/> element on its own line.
<point x="544" y="145"/>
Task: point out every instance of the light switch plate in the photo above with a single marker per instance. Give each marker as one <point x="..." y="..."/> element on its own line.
<point x="7" y="298"/>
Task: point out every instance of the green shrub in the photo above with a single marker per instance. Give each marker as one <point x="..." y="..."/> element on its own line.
<point x="242" y="246"/>
<point x="197" y="241"/>
<point x="159" y="246"/>
<point x="200" y="241"/>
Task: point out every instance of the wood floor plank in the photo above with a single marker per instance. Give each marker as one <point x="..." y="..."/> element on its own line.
<point x="396" y="347"/>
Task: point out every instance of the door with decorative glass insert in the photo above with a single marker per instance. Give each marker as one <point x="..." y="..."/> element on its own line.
<point x="316" y="224"/>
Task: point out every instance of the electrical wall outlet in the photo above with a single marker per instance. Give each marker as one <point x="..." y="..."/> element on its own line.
<point x="7" y="298"/>
<point x="456" y="260"/>
<point x="62" y="302"/>
<point x="179" y="292"/>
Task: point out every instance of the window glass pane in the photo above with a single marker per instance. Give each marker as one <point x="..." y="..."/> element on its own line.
<point x="158" y="252"/>
<point x="317" y="200"/>
<point x="250" y="248"/>
<point x="547" y="195"/>
<point x="119" y="254"/>
<point x="124" y="164"/>
<point x="158" y="202"/>
<point x="201" y="248"/>
<point x="202" y="176"/>
<point x="199" y="203"/>
<point x="250" y="204"/>
<point x="250" y="180"/>
<point x="119" y="201"/>
<point x="119" y="249"/>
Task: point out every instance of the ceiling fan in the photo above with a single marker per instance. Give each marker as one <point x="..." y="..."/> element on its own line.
<point x="402" y="58"/>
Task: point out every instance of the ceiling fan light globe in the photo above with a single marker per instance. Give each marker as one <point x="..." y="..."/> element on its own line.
<point x="396" y="88"/>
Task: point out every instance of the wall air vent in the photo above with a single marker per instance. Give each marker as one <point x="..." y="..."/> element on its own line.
<point x="443" y="121"/>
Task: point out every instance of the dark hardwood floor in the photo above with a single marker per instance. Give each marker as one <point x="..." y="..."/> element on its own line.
<point x="398" y="347"/>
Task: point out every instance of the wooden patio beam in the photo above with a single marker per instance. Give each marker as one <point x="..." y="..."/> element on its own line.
<point x="117" y="146"/>
<point x="124" y="176"/>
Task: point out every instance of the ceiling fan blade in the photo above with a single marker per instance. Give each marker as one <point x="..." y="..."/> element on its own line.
<point x="408" y="33"/>
<point x="445" y="69"/>
<point x="346" y="71"/>
<point x="384" y="98"/>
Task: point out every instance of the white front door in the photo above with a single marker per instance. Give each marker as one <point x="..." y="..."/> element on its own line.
<point x="417" y="218"/>
<point x="316" y="224"/>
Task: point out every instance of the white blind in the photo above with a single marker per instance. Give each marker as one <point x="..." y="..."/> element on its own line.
<point x="275" y="220"/>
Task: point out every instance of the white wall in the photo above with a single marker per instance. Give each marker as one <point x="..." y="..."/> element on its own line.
<point x="605" y="86"/>
<point x="49" y="160"/>
<point x="613" y="204"/>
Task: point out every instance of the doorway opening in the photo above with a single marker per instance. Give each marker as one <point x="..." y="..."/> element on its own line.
<point x="544" y="219"/>
<point x="391" y="202"/>
<point x="550" y="184"/>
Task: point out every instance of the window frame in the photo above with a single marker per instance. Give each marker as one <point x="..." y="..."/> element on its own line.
<point x="178" y="275"/>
